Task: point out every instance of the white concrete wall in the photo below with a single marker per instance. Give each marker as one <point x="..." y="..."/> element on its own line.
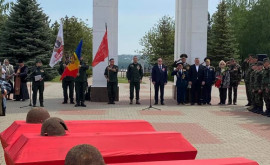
<point x="104" y="11"/>
<point x="191" y="29"/>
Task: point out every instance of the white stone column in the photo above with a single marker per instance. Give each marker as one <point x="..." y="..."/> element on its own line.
<point x="104" y="11"/>
<point x="191" y="18"/>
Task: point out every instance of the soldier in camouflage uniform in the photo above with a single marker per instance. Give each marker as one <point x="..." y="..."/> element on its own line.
<point x="251" y="86"/>
<point x="266" y="86"/>
<point x="252" y="60"/>
<point x="110" y="74"/>
<point x="235" y="79"/>
<point x="257" y="90"/>
<point x="134" y="76"/>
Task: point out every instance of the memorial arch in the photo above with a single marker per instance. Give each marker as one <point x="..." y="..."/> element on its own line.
<point x="191" y="18"/>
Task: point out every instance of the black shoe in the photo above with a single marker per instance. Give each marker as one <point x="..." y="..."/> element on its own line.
<point x="138" y="102"/>
<point x="131" y="102"/>
<point x="248" y="104"/>
<point x="23" y="99"/>
<point x="72" y="102"/>
<point x="162" y="103"/>
<point x="64" y="102"/>
<point x="209" y="103"/>
<point x="83" y="105"/>
<point x="183" y="103"/>
<point x="234" y="103"/>
<point x="178" y="103"/>
<point x="229" y="103"/>
<point x="192" y="104"/>
<point x="156" y="103"/>
<point x="76" y="105"/>
<point x="113" y="102"/>
<point x="109" y="102"/>
<point x="34" y="106"/>
<point x="41" y="105"/>
<point x="199" y="103"/>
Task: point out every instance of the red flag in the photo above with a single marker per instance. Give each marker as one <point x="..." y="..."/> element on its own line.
<point x="103" y="51"/>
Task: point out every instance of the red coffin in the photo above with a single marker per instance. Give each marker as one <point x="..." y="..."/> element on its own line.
<point x="227" y="161"/>
<point x="31" y="149"/>
<point x="13" y="132"/>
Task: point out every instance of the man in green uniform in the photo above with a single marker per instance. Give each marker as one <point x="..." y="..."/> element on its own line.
<point x="252" y="86"/>
<point x="67" y="82"/>
<point x="134" y="75"/>
<point x="257" y="90"/>
<point x="252" y="60"/>
<point x="110" y="74"/>
<point x="38" y="76"/>
<point x="266" y="86"/>
<point x="81" y="83"/>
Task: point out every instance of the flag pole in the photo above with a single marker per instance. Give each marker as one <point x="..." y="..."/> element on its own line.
<point x="108" y="56"/>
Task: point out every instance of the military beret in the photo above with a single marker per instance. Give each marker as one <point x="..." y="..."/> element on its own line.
<point x="38" y="61"/>
<point x="259" y="63"/>
<point x="20" y="61"/>
<point x="183" y="56"/>
<point x="266" y="60"/>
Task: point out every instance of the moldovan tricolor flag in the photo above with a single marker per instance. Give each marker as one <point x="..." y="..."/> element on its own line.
<point x="73" y="67"/>
<point x="58" y="47"/>
<point x="103" y="51"/>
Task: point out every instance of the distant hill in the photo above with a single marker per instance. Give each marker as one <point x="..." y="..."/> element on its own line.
<point x="124" y="60"/>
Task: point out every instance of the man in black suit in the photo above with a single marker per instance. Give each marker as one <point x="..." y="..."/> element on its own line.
<point x="159" y="79"/>
<point x="196" y="75"/>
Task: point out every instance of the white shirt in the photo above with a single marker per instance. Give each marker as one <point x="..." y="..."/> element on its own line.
<point x="3" y="73"/>
<point x="197" y="68"/>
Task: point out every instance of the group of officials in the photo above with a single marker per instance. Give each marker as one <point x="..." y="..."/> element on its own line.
<point x="194" y="82"/>
<point x="257" y="79"/>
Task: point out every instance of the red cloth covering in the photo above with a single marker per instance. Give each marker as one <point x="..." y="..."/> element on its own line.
<point x="227" y="161"/>
<point x="14" y="131"/>
<point x="32" y="149"/>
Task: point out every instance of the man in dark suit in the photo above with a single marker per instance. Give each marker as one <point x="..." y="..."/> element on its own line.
<point x="196" y="75"/>
<point x="159" y="79"/>
<point x="209" y="79"/>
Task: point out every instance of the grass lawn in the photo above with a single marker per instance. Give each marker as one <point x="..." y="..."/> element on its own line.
<point x="122" y="80"/>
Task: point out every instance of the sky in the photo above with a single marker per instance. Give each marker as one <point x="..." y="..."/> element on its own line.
<point x="136" y="17"/>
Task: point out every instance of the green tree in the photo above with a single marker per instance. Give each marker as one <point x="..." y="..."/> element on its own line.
<point x="159" y="41"/>
<point x="223" y="41"/>
<point x="75" y="30"/>
<point x="27" y="35"/>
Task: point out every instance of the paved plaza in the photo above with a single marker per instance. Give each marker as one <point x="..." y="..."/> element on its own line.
<point x="216" y="131"/>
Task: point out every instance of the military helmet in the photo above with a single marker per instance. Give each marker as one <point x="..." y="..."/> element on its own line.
<point x="84" y="154"/>
<point x="53" y="126"/>
<point x="37" y="115"/>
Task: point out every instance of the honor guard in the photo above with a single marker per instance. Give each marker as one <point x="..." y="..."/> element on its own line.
<point x="134" y="76"/>
<point x="38" y="75"/>
<point x="67" y="82"/>
<point x="81" y="83"/>
<point x="257" y="90"/>
<point x="266" y="86"/>
<point x="209" y="79"/>
<point x="252" y="60"/>
<point x="110" y="74"/>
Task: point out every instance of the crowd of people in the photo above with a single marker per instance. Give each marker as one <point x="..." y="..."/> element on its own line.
<point x="193" y="82"/>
